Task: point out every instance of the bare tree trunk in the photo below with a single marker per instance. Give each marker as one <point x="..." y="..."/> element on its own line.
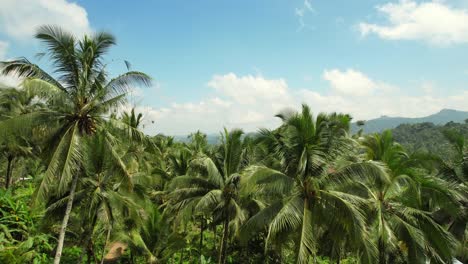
<point x="93" y="253"/>
<point x="88" y="256"/>
<point x="215" y="234"/>
<point x="9" y="172"/>
<point x="88" y="234"/>
<point x="132" y="258"/>
<point x="224" y="239"/>
<point x="202" y="228"/>
<point x="63" y="229"/>
<point x="382" y="256"/>
<point x="105" y="244"/>
<point x="181" y="260"/>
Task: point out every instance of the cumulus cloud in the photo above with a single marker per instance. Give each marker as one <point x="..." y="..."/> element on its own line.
<point x="349" y="82"/>
<point x="9" y="81"/>
<point x="364" y="98"/>
<point x="20" y="18"/>
<point x="250" y="102"/>
<point x="246" y="102"/>
<point x="182" y="118"/>
<point x="249" y="89"/>
<point x="435" y="22"/>
<point x="391" y="104"/>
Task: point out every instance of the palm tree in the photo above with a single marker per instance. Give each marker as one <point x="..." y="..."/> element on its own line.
<point x="79" y="102"/>
<point x="456" y="171"/>
<point x="13" y="103"/>
<point x="132" y="120"/>
<point x="102" y="196"/>
<point x="139" y="147"/>
<point x="360" y="124"/>
<point x="316" y="164"/>
<point x="198" y="142"/>
<point x="146" y="232"/>
<point x="101" y="193"/>
<point x="212" y="187"/>
<point x="13" y="149"/>
<point x="401" y="226"/>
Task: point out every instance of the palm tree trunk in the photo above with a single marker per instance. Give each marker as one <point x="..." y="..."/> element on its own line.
<point x="382" y="257"/>
<point x="88" y="256"/>
<point x="105" y="244"/>
<point x="305" y="252"/>
<point x="93" y="253"/>
<point x="202" y="227"/>
<point x="381" y="241"/>
<point x="215" y="234"/>
<point x="9" y="172"/>
<point x="87" y="246"/>
<point x="181" y="260"/>
<point x="280" y="249"/>
<point x="132" y="257"/>
<point x="63" y="229"/>
<point x="224" y="239"/>
<point x="337" y="253"/>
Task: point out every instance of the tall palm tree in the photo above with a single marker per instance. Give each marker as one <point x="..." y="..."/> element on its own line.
<point x="13" y="148"/>
<point x="138" y="145"/>
<point x="13" y="103"/>
<point x="212" y="187"/>
<point x="400" y="224"/>
<point x="102" y="190"/>
<point x="198" y="142"/>
<point x="147" y="233"/>
<point x="316" y="164"/>
<point x="79" y="99"/>
<point x="455" y="170"/>
<point x="133" y="121"/>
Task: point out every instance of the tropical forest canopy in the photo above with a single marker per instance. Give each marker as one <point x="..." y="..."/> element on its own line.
<point x="82" y="184"/>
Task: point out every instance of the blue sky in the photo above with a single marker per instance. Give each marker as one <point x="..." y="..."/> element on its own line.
<point x="236" y="63"/>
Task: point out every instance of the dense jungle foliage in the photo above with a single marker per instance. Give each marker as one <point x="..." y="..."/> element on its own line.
<point x="82" y="184"/>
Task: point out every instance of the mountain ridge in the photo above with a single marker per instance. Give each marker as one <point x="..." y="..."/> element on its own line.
<point x="379" y="124"/>
<point x="387" y="122"/>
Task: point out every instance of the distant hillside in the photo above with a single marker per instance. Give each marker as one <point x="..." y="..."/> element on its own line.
<point x="211" y="138"/>
<point x="415" y="132"/>
<point x="428" y="137"/>
<point x="385" y="122"/>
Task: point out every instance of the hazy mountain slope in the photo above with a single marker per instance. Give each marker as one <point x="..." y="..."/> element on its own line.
<point x="428" y="137"/>
<point x="385" y="122"/>
<point x="379" y="124"/>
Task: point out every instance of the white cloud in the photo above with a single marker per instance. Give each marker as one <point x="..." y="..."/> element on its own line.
<point x="249" y="89"/>
<point x="10" y="81"/>
<point x="434" y="21"/>
<point x="349" y="82"/>
<point x="246" y="102"/>
<point x="300" y="12"/>
<point x="182" y="118"/>
<point x="392" y="104"/>
<point x="250" y="102"/>
<point x="308" y="5"/>
<point x="379" y="98"/>
<point x="20" y="18"/>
